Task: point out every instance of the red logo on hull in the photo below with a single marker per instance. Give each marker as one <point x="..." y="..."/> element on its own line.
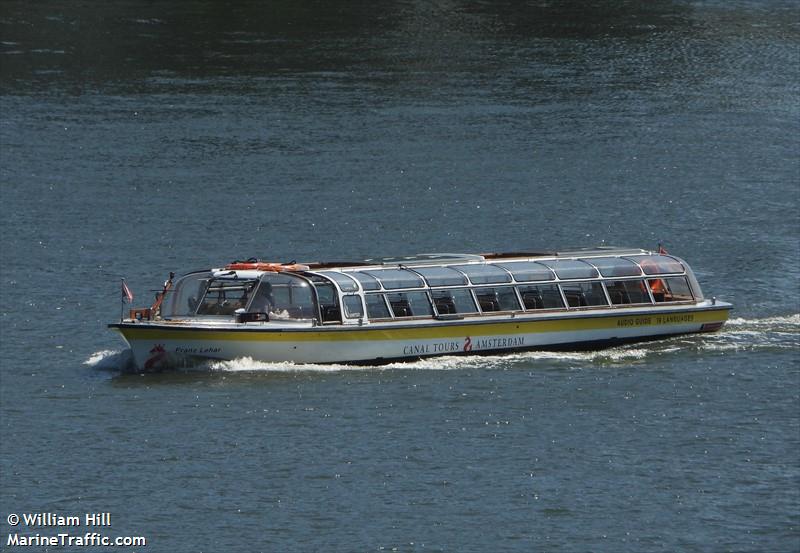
<point x="157" y="355"/>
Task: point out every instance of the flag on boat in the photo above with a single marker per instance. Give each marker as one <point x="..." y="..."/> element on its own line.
<point x="662" y="250"/>
<point x="127" y="295"/>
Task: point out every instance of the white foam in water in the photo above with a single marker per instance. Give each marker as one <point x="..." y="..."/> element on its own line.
<point x="248" y="364"/>
<point x="111" y="360"/>
<point x="442" y="363"/>
<point x="769" y="329"/>
<point x="748" y="334"/>
<point x="786" y="320"/>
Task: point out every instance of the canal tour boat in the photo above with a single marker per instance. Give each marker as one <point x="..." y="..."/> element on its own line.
<point x="403" y="308"/>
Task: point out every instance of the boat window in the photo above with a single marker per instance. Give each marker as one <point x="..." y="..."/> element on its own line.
<point x="484" y="274"/>
<point x="376" y="307"/>
<point x="528" y="271"/>
<point x="453" y="301"/>
<point x="442" y="276"/>
<point x="328" y="300"/>
<point x="583" y="294"/>
<point x="624" y="292"/>
<point x="353" y="308"/>
<point x="501" y="298"/>
<point x="392" y="279"/>
<point x="693" y="284"/>
<point x="183" y="298"/>
<point x="670" y="289"/>
<point x="224" y="296"/>
<point x="658" y="264"/>
<point x="571" y="268"/>
<point x="346" y="283"/>
<point x="368" y="282"/>
<point x="542" y="296"/>
<point x="615" y="266"/>
<point x="283" y="296"/>
<point x="410" y="304"/>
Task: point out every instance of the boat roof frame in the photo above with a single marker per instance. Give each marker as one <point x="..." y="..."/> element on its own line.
<point x="443" y="258"/>
<point x="593" y="253"/>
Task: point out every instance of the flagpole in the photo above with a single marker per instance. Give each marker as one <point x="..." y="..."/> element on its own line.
<point x="121" y="300"/>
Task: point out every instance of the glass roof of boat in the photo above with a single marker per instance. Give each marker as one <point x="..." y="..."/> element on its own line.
<point x="442" y="276"/>
<point x="393" y="279"/>
<point x="571" y="268"/>
<point x="368" y="282"/>
<point x="658" y="264"/>
<point x="425" y="259"/>
<point x="345" y="282"/>
<point x="528" y="271"/>
<point x="484" y="274"/>
<point x="615" y="266"/>
<point x="373" y="279"/>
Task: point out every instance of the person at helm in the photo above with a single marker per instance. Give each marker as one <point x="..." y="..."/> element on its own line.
<point x="264" y="302"/>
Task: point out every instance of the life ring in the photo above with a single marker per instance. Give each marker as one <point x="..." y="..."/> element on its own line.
<point x="295" y="267"/>
<point x="262" y="266"/>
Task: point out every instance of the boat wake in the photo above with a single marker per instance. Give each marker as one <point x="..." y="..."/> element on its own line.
<point x="788" y="322"/>
<point x="739" y="334"/>
<point x="122" y="361"/>
<point x="769" y="333"/>
<point x="112" y="360"/>
<point x="451" y="362"/>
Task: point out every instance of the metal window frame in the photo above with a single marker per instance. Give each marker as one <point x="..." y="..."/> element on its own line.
<point x="628" y="279"/>
<point x="425" y="291"/>
<point x="665" y="277"/>
<point x="388" y="307"/>
<point x="564" y="304"/>
<point x="515" y="284"/>
<point x="346" y="313"/>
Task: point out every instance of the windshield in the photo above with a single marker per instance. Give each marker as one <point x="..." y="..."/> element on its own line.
<point x="225" y="295"/>
<point x="183" y="298"/>
<point x="283" y="296"/>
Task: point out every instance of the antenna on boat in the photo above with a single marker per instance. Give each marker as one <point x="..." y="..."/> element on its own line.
<point x="126" y="295"/>
<point x="160" y="296"/>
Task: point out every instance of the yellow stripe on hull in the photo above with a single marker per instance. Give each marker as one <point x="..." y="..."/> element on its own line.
<point x="338" y="344"/>
<point x="334" y="334"/>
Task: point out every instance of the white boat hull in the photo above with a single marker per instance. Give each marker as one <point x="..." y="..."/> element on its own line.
<point x="156" y="345"/>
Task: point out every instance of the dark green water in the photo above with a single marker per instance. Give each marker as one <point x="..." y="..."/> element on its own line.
<point x="138" y="138"/>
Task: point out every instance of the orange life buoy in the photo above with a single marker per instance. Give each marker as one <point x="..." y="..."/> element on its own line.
<point x="294" y="267"/>
<point x="657" y="286"/>
<point x="263" y="266"/>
